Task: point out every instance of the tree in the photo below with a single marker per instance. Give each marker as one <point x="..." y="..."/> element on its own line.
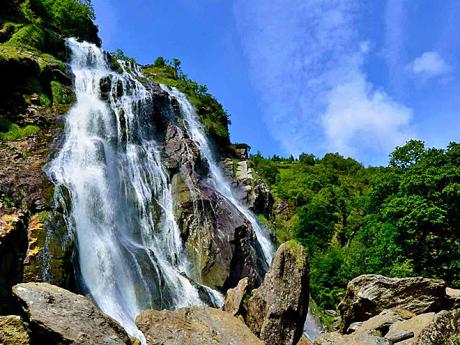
<point x="408" y="154"/>
<point x="160" y="62"/>
<point x="176" y="65"/>
<point x="307" y="159"/>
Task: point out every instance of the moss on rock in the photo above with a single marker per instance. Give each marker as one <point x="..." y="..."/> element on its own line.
<point x="13" y="331"/>
<point x="11" y="131"/>
<point x="39" y="38"/>
<point x="49" y="250"/>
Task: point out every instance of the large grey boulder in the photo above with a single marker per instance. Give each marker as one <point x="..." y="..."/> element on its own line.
<point x="368" y="295"/>
<point x="276" y="311"/>
<point x="335" y="338"/>
<point x="194" y="326"/>
<point x="442" y="328"/>
<point x="58" y="316"/>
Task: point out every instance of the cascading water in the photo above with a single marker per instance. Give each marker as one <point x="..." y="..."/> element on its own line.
<point x="313" y="326"/>
<point x="218" y="181"/>
<point x="117" y="187"/>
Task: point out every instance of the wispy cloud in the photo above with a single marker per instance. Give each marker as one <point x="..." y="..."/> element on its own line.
<point x="306" y="60"/>
<point x="428" y="65"/>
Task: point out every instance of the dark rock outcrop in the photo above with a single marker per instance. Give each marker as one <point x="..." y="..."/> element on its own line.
<point x="219" y="239"/>
<point x="368" y="295"/>
<point x="194" y="326"/>
<point x="13" y="245"/>
<point x="276" y="311"/>
<point x="58" y="316"/>
<point x="13" y="331"/>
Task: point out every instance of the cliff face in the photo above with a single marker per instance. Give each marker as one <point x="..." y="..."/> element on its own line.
<point x="218" y="237"/>
<point x="37" y="93"/>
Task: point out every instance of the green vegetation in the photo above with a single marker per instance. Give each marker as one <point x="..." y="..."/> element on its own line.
<point x="213" y="117"/>
<point x="11" y="131"/>
<point x="71" y="18"/>
<point x="61" y="94"/>
<point x="399" y="220"/>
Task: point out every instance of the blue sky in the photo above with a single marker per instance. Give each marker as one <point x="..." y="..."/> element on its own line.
<point x="357" y="77"/>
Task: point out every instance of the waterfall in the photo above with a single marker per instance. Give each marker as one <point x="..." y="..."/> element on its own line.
<point x="109" y="170"/>
<point x="217" y="180"/>
<point x="312" y="326"/>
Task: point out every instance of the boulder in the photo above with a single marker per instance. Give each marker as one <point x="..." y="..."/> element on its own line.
<point x="194" y="326"/>
<point x="442" y="328"/>
<point x="235" y="297"/>
<point x="58" y="316"/>
<point x="13" y="331"/>
<point x="335" y="338"/>
<point x="368" y="295"/>
<point x="379" y="324"/>
<point x="452" y="298"/>
<point x="276" y="311"/>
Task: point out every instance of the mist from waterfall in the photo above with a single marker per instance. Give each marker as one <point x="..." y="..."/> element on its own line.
<point x="110" y="176"/>
<point x="217" y="178"/>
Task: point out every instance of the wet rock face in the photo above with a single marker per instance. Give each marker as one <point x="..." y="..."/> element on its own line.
<point x="276" y="311"/>
<point x="368" y="295"/>
<point x="13" y="331"/>
<point x="220" y="241"/>
<point x="50" y="251"/>
<point x="254" y="192"/>
<point x="57" y="316"/>
<point x="194" y="326"/>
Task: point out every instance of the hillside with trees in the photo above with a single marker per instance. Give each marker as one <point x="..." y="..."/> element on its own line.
<point x="399" y="220"/>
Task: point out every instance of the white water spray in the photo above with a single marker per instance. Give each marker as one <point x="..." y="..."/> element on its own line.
<point x="216" y="178"/>
<point x="110" y="165"/>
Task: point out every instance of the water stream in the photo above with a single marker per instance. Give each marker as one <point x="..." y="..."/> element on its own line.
<point x="110" y="165"/>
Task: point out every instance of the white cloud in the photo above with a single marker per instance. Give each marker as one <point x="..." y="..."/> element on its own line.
<point x="359" y="117"/>
<point x="429" y="64"/>
<point x="306" y="60"/>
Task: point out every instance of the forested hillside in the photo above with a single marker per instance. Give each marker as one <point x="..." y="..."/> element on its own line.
<point x="399" y="220"/>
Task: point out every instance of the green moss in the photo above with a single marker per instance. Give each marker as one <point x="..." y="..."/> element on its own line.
<point x="45" y="100"/>
<point x="28" y="56"/>
<point x="10" y="131"/>
<point x="298" y="252"/>
<point x="30" y="35"/>
<point x="43" y="216"/>
<point x="7" y="201"/>
<point x="61" y="94"/>
<point x="455" y="340"/>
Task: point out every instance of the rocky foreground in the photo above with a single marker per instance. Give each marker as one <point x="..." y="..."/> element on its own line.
<point x="376" y="310"/>
<point x="274" y="312"/>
